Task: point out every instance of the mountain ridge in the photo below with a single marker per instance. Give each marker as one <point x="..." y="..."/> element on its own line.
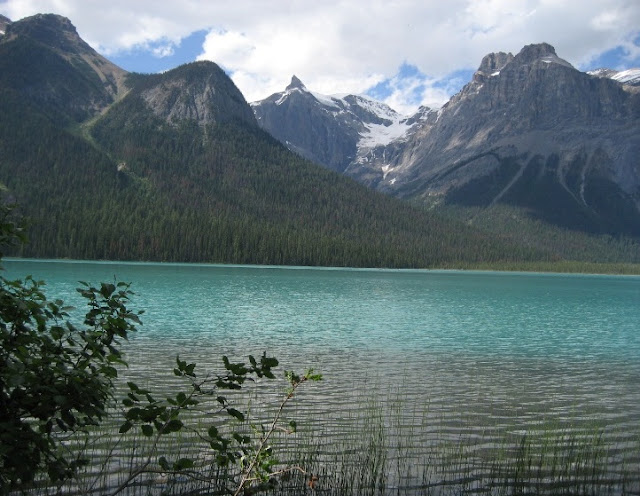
<point x="526" y="127"/>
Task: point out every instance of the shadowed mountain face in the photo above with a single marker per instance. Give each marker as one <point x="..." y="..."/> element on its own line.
<point x="43" y="59"/>
<point x="529" y="131"/>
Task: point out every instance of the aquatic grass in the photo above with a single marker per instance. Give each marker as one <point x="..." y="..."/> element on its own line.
<point x="552" y="458"/>
<point x="387" y="442"/>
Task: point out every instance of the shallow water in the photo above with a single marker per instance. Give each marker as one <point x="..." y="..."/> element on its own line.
<point x="438" y="356"/>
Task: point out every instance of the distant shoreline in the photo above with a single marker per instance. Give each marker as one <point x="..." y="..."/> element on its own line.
<point x="559" y="267"/>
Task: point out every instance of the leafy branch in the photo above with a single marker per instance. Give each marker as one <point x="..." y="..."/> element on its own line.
<point x="259" y="468"/>
<point x="157" y="418"/>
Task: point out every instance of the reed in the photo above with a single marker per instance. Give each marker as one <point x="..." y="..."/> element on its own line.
<point x="386" y="445"/>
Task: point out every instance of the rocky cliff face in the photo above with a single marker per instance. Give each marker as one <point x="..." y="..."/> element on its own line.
<point x="43" y="59"/>
<point x="199" y="92"/>
<point x="334" y="131"/>
<point x="529" y="130"/>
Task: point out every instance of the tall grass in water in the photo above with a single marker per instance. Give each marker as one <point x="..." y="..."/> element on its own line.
<point x="391" y="450"/>
<point x="388" y="445"/>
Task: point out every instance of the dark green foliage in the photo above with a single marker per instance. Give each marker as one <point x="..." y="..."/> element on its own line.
<point x="56" y="378"/>
<point x="249" y="459"/>
<point x="575" y="251"/>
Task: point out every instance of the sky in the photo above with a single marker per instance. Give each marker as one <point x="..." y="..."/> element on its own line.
<point x="403" y="52"/>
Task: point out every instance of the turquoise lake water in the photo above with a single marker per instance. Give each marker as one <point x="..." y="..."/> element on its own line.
<point x="471" y="352"/>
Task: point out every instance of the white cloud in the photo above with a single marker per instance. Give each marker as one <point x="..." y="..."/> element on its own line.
<point x="338" y="46"/>
<point x="165" y="50"/>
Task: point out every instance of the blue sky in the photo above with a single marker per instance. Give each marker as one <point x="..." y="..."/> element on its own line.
<point x="403" y="52"/>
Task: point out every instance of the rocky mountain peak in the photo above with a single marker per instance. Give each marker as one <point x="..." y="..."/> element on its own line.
<point x="630" y="77"/>
<point x="71" y="79"/>
<point x="539" y="52"/>
<point x="199" y="91"/>
<point x="494" y="62"/>
<point x="52" y="30"/>
<point x="57" y="34"/>
<point x="295" y="84"/>
<point x="535" y="51"/>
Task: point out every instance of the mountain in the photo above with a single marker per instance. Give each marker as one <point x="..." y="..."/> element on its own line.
<point x="174" y="167"/>
<point x="43" y="59"/>
<point x="529" y="132"/>
<point x="334" y="131"/>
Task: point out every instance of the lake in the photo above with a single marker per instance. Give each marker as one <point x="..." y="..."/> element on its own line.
<point x="471" y="361"/>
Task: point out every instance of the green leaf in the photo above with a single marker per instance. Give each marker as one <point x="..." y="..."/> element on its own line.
<point x="236" y="414"/>
<point x="125" y="427"/>
<point x="268" y="362"/>
<point x="240" y="439"/>
<point x="174" y="425"/>
<point x="147" y="430"/>
<point x="189" y="369"/>
<point x="107" y="289"/>
<point x="183" y="463"/>
<point x="110" y="372"/>
<point x="312" y="377"/>
<point x="181" y="363"/>
<point x="57" y="333"/>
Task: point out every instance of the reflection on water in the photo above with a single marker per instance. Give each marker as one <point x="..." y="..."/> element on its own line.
<point x="468" y="359"/>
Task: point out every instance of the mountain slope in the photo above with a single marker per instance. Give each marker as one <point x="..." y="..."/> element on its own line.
<point x="177" y="169"/>
<point x="529" y="131"/>
<point x="44" y="60"/>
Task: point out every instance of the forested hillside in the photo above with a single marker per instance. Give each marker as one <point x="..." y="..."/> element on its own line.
<point x="146" y="189"/>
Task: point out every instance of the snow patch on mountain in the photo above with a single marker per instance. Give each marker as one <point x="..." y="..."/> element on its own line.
<point x="382" y="124"/>
<point x="286" y="94"/>
<point x="329" y="101"/>
<point x="554" y="59"/>
<point x="383" y="134"/>
<point x="630" y="76"/>
<point x="627" y="76"/>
